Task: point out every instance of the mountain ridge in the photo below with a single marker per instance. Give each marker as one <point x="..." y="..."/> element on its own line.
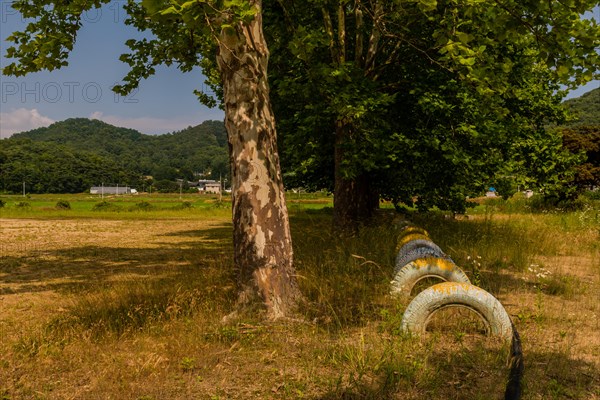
<point x="112" y="154"/>
<point x="585" y="109"/>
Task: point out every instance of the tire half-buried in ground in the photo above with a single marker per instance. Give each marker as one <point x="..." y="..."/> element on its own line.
<point x="429" y="267"/>
<point x="457" y="294"/>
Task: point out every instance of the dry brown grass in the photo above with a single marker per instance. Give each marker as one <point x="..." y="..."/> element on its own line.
<point x="99" y="309"/>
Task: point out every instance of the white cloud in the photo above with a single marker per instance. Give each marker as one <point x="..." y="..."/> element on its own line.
<point x="21" y="119"/>
<point x="150" y="125"/>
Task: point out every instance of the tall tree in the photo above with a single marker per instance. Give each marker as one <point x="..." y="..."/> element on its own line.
<point x="585" y="139"/>
<point x="226" y="39"/>
<point x="419" y="99"/>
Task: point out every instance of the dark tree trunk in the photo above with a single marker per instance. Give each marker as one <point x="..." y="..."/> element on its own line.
<point x="261" y="233"/>
<point x="355" y="199"/>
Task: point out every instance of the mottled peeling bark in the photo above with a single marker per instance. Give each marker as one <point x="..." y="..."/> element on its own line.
<point x="261" y="233"/>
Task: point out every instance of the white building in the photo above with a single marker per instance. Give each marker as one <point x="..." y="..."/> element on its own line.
<point x="209" y="186"/>
<point x="111" y="190"/>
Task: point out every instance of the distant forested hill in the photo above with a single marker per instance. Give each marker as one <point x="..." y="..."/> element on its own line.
<point x="585" y="108"/>
<point x="582" y="136"/>
<point x="72" y="155"/>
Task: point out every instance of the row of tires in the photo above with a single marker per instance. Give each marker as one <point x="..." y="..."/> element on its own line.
<point x="419" y="258"/>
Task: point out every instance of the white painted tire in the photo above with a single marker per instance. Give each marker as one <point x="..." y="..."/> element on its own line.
<point x="428" y="267"/>
<point x="457" y="294"/>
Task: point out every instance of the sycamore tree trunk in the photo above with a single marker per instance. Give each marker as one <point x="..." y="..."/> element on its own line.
<point x="261" y="233"/>
<point x="355" y="199"/>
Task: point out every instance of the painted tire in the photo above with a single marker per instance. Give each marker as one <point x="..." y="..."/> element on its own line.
<point x="411" y="229"/>
<point x="404" y="239"/>
<point x="416" y="243"/>
<point x="451" y="294"/>
<point x="414" y="254"/>
<point x="429" y="267"/>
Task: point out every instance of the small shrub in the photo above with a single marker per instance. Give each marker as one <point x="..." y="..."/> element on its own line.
<point x="563" y="285"/>
<point x="22" y="204"/>
<point x="187" y="364"/>
<point x="592" y="195"/>
<point x="186" y="205"/>
<point x="220" y="204"/>
<point x="142" y="206"/>
<point x="63" y="205"/>
<point x="105" y="206"/>
<point x="545" y="204"/>
<point x="2" y="203"/>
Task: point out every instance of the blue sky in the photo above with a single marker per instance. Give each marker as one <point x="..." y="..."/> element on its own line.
<point x="163" y="103"/>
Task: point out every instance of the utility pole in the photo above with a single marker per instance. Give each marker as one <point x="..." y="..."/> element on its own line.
<point x="180" y="188"/>
<point x="23" y="188"/>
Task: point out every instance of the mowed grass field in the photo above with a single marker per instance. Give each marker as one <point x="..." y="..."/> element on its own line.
<point x="126" y="300"/>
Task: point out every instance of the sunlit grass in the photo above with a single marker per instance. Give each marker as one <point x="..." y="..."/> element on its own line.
<point x="128" y="304"/>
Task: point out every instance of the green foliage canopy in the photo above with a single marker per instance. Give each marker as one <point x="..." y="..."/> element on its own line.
<point x="585" y="140"/>
<point x="443" y="97"/>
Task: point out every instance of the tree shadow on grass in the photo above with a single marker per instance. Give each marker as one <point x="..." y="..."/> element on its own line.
<point x="481" y="374"/>
<point x="115" y="290"/>
<point x="78" y="268"/>
<point x="468" y="374"/>
<point x="556" y="375"/>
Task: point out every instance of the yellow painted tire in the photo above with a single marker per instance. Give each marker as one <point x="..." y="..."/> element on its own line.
<point x="457" y="294"/>
<point x="413" y="229"/>
<point x="405" y="239"/>
<point x="406" y="278"/>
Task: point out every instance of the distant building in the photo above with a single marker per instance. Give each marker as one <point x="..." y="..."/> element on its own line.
<point x="111" y="190"/>
<point x="209" y="186"/>
<point x="491" y="193"/>
<point x="213" y="188"/>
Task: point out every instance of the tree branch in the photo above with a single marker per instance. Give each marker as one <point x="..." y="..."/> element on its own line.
<point x="341" y="33"/>
<point x="374" y="38"/>
<point x="359" y="46"/>
<point x="329" y="30"/>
